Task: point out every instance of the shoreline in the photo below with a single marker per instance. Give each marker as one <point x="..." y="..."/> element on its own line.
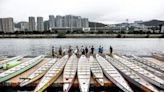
<point x="82" y="36"/>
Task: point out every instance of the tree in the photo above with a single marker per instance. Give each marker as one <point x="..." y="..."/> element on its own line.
<point x="61" y="35"/>
<point x="118" y="36"/>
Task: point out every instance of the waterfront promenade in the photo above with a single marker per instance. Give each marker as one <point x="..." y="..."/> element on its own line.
<point x="85" y="35"/>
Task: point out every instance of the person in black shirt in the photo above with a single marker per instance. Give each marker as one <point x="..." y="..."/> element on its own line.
<point x="111" y="50"/>
<point x="92" y="50"/>
<point x="53" y="54"/>
<point x="69" y="51"/>
<point x="99" y="49"/>
<point x="86" y="50"/>
<point x="60" y="51"/>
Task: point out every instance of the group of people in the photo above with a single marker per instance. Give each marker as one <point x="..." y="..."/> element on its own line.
<point x="82" y="51"/>
<point x="87" y="50"/>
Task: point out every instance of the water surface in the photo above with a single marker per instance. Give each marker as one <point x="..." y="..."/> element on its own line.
<point x="138" y="46"/>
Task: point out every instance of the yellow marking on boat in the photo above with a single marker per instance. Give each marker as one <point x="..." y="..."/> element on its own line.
<point x="145" y="89"/>
<point x="51" y="81"/>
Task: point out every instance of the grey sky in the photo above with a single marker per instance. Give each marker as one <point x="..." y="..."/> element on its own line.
<point x="106" y="11"/>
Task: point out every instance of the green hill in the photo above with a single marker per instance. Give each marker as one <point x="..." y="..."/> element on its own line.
<point x="153" y="23"/>
<point x="93" y="24"/>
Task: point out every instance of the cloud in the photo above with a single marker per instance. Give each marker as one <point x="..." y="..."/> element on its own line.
<point x="107" y="11"/>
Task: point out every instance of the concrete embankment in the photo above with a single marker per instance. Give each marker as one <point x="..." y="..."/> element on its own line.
<point x="82" y="36"/>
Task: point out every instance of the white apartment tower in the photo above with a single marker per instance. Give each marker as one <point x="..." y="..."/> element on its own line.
<point x="59" y="21"/>
<point x="40" y="24"/>
<point x="7" y="25"/>
<point x="32" y="25"/>
<point x="51" y="22"/>
<point x="78" y="21"/>
<point x="85" y="23"/>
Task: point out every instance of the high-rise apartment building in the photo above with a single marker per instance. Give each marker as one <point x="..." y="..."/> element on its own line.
<point x="78" y="21"/>
<point x="85" y="23"/>
<point x="65" y="24"/>
<point x="7" y="25"/>
<point x="46" y="25"/>
<point x="32" y="26"/>
<point x="59" y="21"/>
<point x="75" y="22"/>
<point x="51" y="22"/>
<point x="40" y="24"/>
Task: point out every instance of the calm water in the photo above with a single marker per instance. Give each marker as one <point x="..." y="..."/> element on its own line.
<point x="127" y="46"/>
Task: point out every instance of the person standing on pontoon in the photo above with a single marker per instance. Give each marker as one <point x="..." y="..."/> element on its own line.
<point x="53" y="54"/>
<point x="64" y="51"/>
<point x="86" y="51"/>
<point x="82" y="50"/>
<point x="89" y="50"/>
<point x="76" y="51"/>
<point x="60" y="51"/>
<point x="99" y="49"/>
<point x="111" y="50"/>
<point x="102" y="49"/>
<point x="69" y="51"/>
<point x="92" y="50"/>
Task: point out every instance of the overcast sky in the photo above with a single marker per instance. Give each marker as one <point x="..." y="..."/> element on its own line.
<point x="106" y="11"/>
